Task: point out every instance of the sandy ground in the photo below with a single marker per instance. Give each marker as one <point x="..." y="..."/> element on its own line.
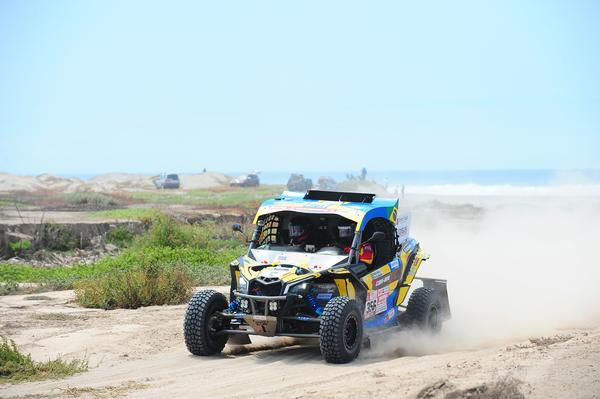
<point x="523" y="282"/>
<point x="140" y="353"/>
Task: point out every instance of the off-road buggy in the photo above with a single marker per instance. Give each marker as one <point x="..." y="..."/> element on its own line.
<point x="344" y="283"/>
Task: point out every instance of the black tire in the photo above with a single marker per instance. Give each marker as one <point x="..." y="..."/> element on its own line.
<point x="341" y="330"/>
<point x="424" y="310"/>
<point x="199" y="323"/>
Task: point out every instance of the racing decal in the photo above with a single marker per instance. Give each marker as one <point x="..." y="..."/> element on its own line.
<point x="409" y="245"/>
<point x="386" y="279"/>
<point x="276" y="272"/>
<point x="324" y="296"/>
<point x="390" y="314"/>
<point x="395" y="264"/>
<point x="382" y="295"/>
<point x="371" y="305"/>
<point x="381" y="281"/>
<point x="376" y="274"/>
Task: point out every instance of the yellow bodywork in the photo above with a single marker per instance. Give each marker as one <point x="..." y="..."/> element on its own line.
<point x="380" y="283"/>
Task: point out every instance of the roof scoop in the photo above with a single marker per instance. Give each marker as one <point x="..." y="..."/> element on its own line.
<point x="340" y="196"/>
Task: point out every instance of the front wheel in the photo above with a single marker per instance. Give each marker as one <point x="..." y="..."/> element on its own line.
<point x="341" y="330"/>
<point x="201" y="323"/>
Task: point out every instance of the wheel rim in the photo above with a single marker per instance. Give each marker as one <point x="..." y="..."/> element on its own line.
<point x="350" y="332"/>
<point x="212" y="325"/>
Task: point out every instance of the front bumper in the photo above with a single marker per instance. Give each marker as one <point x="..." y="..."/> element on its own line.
<point x="262" y="323"/>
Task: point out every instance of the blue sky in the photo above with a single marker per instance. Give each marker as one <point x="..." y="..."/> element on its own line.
<point x="141" y="86"/>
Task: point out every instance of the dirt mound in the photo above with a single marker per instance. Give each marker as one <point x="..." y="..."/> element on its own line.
<point x="120" y="182"/>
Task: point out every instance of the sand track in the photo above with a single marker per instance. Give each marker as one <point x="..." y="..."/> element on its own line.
<point x="140" y="353"/>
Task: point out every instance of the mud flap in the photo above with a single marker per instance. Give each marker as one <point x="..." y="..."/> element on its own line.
<point x="440" y="287"/>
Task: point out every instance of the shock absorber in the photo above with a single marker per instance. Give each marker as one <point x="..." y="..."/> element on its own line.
<point x="233" y="305"/>
<point x="314" y="305"/>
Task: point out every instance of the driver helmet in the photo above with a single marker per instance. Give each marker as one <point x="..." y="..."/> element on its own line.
<point x="298" y="230"/>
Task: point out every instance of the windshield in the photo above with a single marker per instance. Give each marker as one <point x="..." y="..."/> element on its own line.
<point x="295" y="232"/>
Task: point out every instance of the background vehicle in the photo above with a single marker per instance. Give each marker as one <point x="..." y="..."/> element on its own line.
<point x="346" y="280"/>
<point x="249" y="180"/>
<point x="167" y="181"/>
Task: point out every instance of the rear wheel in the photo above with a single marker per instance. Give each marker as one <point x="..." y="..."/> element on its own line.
<point x="424" y="310"/>
<point x="341" y="330"/>
<point x="201" y="323"/>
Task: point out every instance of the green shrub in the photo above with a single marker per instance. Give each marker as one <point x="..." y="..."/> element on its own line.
<point x="90" y="200"/>
<point x="21" y="245"/>
<point x="166" y="231"/>
<point x="120" y="236"/>
<point x="16" y="366"/>
<point x="153" y="284"/>
<point x="58" y="238"/>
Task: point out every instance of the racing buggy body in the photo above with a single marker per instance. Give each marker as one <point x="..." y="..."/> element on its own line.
<point x="333" y="266"/>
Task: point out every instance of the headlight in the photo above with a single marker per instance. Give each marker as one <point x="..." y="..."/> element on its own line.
<point x="243" y="285"/>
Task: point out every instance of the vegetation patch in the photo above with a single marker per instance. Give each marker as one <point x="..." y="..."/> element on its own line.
<point x="56" y="237"/>
<point x="234" y="197"/>
<point x="16" y="366"/>
<point x="20" y="245"/>
<point x="169" y="252"/>
<point x="136" y="287"/>
<point x="89" y="200"/>
<point x="120" y="236"/>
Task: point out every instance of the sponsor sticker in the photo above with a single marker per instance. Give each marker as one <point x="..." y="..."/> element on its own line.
<point x="324" y="296"/>
<point x="395" y="264"/>
<point x="371" y="305"/>
<point x="276" y="272"/>
<point x="376" y="274"/>
<point x="390" y="314"/>
<point x="381" y="281"/>
<point x="382" y="295"/>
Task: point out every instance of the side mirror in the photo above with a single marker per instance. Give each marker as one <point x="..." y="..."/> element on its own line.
<point x="378" y="236"/>
<point x="238" y="227"/>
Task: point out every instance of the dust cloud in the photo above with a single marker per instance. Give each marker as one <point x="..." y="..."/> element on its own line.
<point x="522" y="267"/>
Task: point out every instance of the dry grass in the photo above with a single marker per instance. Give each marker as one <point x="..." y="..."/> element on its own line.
<point x="17" y="367"/>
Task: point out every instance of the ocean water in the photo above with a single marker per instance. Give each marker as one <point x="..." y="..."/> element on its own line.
<point x="542" y="177"/>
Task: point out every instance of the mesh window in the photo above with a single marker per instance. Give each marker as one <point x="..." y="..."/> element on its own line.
<point x="268" y="234"/>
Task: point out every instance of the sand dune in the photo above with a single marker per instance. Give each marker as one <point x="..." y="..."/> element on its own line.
<point x="109" y="182"/>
